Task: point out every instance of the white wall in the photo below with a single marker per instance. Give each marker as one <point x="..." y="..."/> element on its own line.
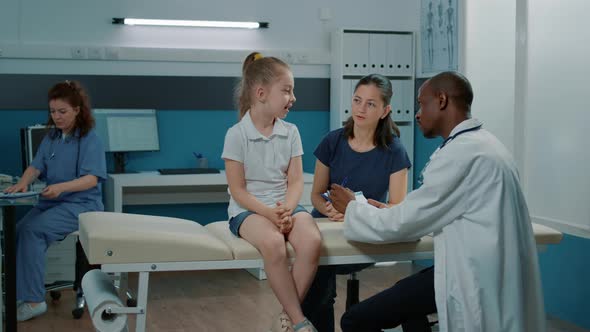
<point x="489" y="63"/>
<point x="36" y="30"/>
<point x="557" y="114"/>
<point x="528" y="63"/>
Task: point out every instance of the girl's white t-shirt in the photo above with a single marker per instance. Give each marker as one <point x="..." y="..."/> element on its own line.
<point x="266" y="159"/>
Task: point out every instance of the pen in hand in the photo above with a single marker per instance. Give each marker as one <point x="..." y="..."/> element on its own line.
<point x="344" y="181"/>
<point x="326" y="195"/>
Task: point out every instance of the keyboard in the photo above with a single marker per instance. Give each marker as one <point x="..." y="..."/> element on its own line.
<point x="4" y="195"/>
<point x="177" y="171"/>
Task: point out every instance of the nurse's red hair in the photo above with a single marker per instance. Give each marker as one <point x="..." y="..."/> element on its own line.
<point x="74" y="94"/>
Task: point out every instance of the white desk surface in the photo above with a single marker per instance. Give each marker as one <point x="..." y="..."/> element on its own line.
<point x="156" y="179"/>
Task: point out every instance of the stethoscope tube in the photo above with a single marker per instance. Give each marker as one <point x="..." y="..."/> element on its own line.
<point x="450" y="138"/>
<point x="53" y="138"/>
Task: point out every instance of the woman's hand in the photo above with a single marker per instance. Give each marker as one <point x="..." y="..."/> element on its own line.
<point x="332" y="214"/>
<point x="379" y="204"/>
<point x="52" y="191"/>
<point x="17" y="188"/>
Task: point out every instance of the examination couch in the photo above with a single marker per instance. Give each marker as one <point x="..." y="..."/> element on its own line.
<point x="123" y="243"/>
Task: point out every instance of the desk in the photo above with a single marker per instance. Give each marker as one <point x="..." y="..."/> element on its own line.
<point x="154" y="188"/>
<point x="9" y="268"/>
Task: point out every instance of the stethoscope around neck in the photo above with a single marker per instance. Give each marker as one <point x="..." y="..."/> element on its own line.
<point x="77" y="155"/>
<point x="452" y="137"/>
<point x="447" y="140"/>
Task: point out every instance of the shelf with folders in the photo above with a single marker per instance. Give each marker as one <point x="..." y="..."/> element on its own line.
<point x="360" y="52"/>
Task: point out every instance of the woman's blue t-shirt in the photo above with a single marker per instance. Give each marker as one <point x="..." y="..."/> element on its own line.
<point x="368" y="172"/>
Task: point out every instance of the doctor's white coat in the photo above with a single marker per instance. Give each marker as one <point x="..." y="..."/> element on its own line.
<point x="486" y="269"/>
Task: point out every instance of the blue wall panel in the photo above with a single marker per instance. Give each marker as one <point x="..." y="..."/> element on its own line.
<point x="565" y="273"/>
<point x="182" y="132"/>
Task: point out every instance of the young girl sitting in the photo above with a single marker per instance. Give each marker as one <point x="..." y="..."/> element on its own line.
<point x="264" y="171"/>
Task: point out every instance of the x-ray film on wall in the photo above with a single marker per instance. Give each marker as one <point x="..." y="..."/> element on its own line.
<point x="438" y="20"/>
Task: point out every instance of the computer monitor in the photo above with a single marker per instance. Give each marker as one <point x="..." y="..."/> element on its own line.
<point x="127" y="130"/>
<point x="30" y="138"/>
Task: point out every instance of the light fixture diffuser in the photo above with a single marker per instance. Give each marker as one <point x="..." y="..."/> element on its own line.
<point x="190" y="23"/>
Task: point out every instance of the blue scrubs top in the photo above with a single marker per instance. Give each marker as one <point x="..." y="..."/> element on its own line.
<point x="61" y="160"/>
<point x="368" y="172"/>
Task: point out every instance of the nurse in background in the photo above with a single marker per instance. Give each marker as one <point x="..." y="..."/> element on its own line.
<point x="71" y="160"/>
<point x="365" y="155"/>
<point x="486" y="271"/>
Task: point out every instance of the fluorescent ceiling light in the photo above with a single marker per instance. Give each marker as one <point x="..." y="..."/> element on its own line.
<point x="187" y="23"/>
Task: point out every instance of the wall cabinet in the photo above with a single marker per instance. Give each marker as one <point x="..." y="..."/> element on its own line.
<point x="356" y="53"/>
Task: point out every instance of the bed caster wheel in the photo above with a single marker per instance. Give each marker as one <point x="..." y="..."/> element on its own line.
<point x="77" y="313"/>
<point x="55" y="295"/>
<point x="78" y="310"/>
<point x="131" y="302"/>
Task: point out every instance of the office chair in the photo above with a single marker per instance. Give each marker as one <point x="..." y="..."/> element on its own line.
<point x="81" y="267"/>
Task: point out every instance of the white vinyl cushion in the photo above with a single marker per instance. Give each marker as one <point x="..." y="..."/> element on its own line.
<point x="333" y="243"/>
<point x="109" y="237"/>
<point x="545" y="235"/>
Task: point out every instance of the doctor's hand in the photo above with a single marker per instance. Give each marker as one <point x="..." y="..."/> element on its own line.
<point x="332" y="214"/>
<point x="52" y="191"/>
<point x="340" y="197"/>
<point x="378" y="204"/>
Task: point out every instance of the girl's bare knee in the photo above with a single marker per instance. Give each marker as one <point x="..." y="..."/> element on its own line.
<point x="310" y="247"/>
<point x="273" y="247"/>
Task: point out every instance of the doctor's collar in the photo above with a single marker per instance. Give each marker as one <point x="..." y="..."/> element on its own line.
<point x="462" y="128"/>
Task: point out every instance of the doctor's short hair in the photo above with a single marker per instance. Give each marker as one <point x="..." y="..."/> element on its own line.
<point x="455" y="86"/>
<point x="74" y="94"/>
<point x="385" y="127"/>
<point x="257" y="69"/>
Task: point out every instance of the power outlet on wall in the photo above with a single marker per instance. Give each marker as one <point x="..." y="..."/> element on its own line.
<point x="111" y="53"/>
<point x="95" y="53"/>
<point x="302" y="58"/>
<point x="78" y="52"/>
<point x="289" y="57"/>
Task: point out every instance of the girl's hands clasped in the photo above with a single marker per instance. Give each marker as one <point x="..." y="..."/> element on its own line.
<point x="285" y="218"/>
<point x="281" y="217"/>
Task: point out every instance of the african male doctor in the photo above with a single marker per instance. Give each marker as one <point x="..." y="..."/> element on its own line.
<point x="486" y="274"/>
